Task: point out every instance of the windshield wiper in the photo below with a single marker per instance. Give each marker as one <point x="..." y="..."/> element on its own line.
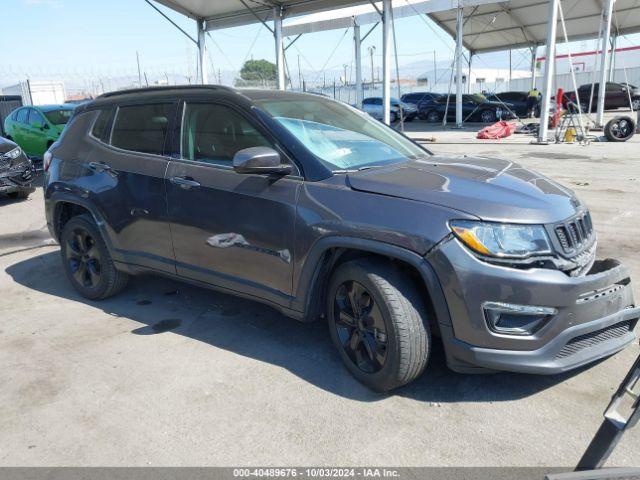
<point x="370" y="167"/>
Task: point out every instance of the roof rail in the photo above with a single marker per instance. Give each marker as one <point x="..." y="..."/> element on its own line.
<point x="164" y="88"/>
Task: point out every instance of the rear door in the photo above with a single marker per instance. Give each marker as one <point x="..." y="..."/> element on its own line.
<point x="231" y="230"/>
<point x="614" y="97"/>
<point x="128" y="165"/>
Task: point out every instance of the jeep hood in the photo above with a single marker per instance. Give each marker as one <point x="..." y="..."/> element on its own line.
<point x="489" y="188"/>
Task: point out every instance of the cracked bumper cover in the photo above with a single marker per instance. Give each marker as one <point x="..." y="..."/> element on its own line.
<point x="16" y="180"/>
<point x="595" y="313"/>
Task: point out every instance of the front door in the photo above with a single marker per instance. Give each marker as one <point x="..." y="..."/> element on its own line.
<point x="35" y="134"/>
<point x="19" y="132"/>
<point x="231" y="230"/>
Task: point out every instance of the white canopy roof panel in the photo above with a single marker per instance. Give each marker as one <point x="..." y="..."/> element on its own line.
<point x="522" y="23"/>
<point x="367" y="14"/>
<point x="489" y="24"/>
<point x="233" y="13"/>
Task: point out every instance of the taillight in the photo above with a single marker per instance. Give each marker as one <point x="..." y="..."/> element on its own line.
<point x="46" y="160"/>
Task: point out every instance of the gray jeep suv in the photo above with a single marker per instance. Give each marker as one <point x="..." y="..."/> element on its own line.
<point x="316" y="209"/>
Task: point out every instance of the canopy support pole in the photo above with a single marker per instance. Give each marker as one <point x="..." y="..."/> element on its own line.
<point x="534" y="53"/>
<point x="459" y="33"/>
<point x="386" y="61"/>
<point x="358" y="62"/>
<point x="549" y="64"/>
<point x="612" y="62"/>
<point x="469" y="75"/>
<point x="604" y="60"/>
<point x="277" y="34"/>
<point x="202" y="54"/>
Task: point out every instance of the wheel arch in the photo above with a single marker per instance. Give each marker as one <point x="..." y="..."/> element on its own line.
<point x="329" y="253"/>
<point x="64" y="207"/>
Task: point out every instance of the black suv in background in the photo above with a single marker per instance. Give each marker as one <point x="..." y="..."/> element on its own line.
<point x="415" y="98"/>
<point x="475" y="108"/>
<point x="320" y="211"/>
<point x="617" y="95"/>
<point x="518" y="102"/>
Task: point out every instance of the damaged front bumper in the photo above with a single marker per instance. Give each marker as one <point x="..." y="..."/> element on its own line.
<point x="564" y="322"/>
<point x="16" y="179"/>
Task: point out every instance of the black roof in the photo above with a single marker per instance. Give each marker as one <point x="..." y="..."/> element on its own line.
<point x="171" y="90"/>
<point x="165" y="88"/>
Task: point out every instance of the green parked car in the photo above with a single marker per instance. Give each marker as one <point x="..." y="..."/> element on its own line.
<point x="35" y="128"/>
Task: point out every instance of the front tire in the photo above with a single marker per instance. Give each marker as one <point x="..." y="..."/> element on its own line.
<point x="433" y="116"/>
<point x="19" y="195"/>
<point x="87" y="262"/>
<point x="378" y="323"/>
<point x="488" y="116"/>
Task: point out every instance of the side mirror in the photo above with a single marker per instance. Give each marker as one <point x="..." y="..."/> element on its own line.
<point x="45" y="126"/>
<point x="260" y="160"/>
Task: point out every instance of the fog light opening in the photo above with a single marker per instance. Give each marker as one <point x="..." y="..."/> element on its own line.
<point x="509" y="319"/>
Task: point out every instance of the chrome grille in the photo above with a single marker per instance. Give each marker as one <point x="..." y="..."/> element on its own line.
<point x="575" y="234"/>
<point x="593" y="338"/>
<point x="5" y="161"/>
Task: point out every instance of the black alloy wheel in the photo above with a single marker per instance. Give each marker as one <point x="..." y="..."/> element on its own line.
<point x="360" y="327"/>
<point x="433" y="116"/>
<point x="378" y="322"/>
<point x="87" y="261"/>
<point x="488" y="116"/>
<point x="83" y="258"/>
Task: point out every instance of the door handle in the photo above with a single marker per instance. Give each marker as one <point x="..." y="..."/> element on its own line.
<point x="99" y="166"/>
<point x="184" y="182"/>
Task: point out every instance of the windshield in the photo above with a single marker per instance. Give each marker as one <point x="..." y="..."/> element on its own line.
<point x="341" y="137"/>
<point x="59" y="117"/>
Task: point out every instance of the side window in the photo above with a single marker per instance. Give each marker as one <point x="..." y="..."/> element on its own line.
<point x="377" y="101"/>
<point x="22" y="115"/>
<point x="102" y="126"/>
<point x="214" y="133"/>
<point x="35" y="119"/>
<point x="142" y="128"/>
<point x="367" y="101"/>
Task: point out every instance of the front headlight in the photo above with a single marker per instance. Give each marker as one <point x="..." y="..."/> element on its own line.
<point x="502" y="240"/>
<point x="15" y="153"/>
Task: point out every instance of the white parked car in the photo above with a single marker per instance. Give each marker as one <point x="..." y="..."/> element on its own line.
<point x="373" y="106"/>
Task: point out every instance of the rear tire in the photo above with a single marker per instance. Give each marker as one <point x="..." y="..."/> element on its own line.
<point x="378" y="323"/>
<point x="87" y="262"/>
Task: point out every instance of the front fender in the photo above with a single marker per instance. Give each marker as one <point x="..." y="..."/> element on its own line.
<point x="312" y="274"/>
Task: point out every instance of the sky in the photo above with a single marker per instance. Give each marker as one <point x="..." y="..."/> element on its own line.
<point x="92" y="38"/>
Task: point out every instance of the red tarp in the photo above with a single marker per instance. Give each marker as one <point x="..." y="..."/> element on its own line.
<point x="497" y="130"/>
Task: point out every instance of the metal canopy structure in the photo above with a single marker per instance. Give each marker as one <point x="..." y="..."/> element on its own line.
<point x="486" y="26"/>
<point x="524" y="23"/>
<point x="217" y="14"/>
<point x="477" y="25"/>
